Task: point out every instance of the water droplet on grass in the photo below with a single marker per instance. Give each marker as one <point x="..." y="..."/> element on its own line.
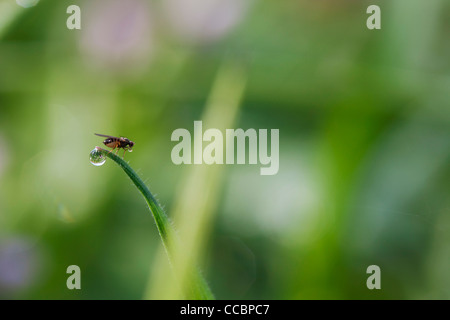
<point x="96" y="157"/>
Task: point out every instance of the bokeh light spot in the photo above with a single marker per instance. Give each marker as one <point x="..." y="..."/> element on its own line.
<point x="27" y="3"/>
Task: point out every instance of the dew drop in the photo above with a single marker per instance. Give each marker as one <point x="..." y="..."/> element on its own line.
<point x="96" y="157"/>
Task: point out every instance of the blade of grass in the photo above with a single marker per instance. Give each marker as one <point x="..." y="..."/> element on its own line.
<point x="199" y="288"/>
<point x="199" y="191"/>
<point x="8" y="12"/>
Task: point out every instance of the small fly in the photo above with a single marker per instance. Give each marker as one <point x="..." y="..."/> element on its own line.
<point x="115" y="142"/>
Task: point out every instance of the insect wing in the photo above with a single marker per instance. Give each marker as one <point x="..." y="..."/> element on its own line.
<point x="105" y="135"/>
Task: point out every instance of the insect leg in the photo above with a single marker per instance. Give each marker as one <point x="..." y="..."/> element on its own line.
<point x="111" y="150"/>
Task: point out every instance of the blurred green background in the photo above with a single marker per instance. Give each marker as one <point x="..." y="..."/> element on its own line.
<point x="364" y="146"/>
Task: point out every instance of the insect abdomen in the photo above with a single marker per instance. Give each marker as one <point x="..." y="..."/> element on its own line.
<point x="111" y="143"/>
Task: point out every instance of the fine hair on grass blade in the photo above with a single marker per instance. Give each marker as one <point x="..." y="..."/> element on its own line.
<point x="199" y="288"/>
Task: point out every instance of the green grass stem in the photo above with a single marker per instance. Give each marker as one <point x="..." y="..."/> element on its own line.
<point x="199" y="288"/>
